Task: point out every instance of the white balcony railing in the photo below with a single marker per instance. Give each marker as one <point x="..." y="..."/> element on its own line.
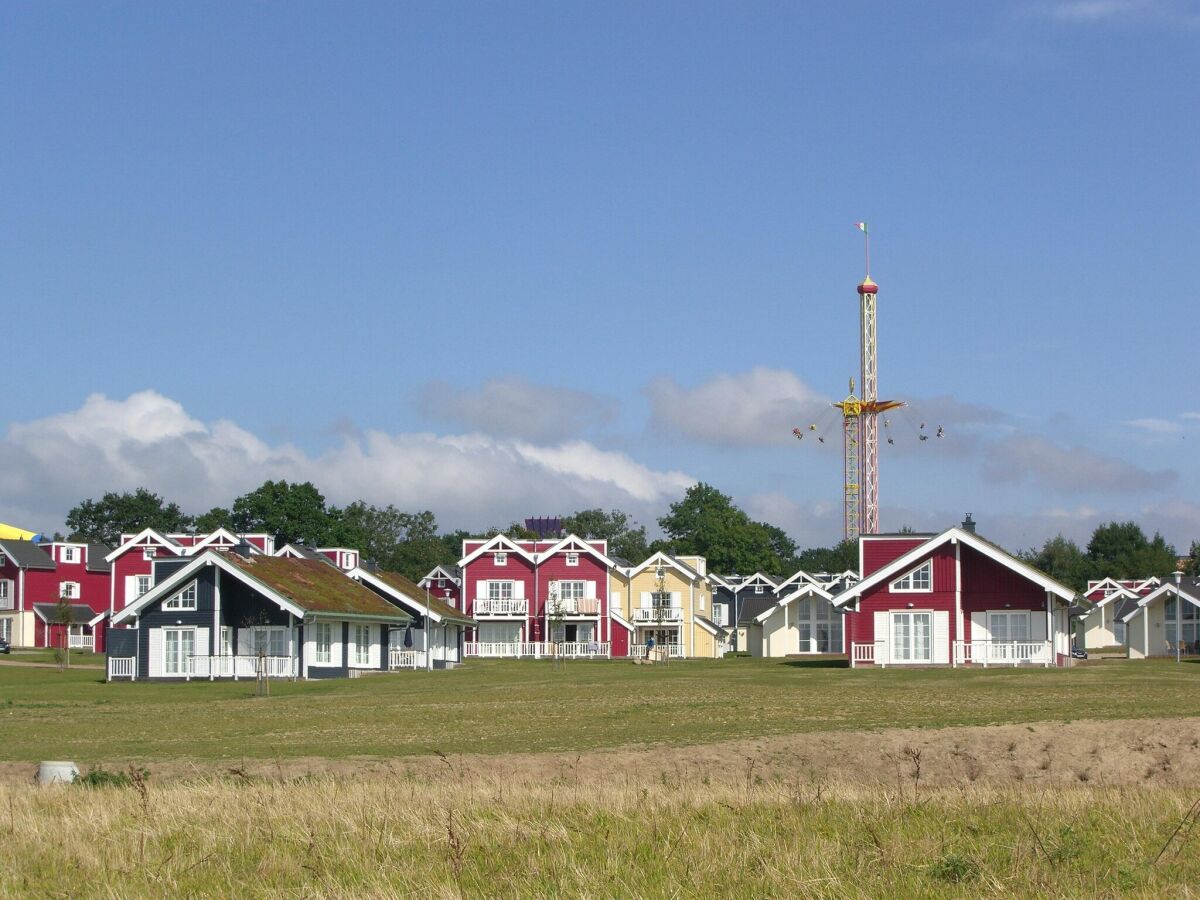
<point x="658" y="614"/>
<point x="122" y="667"/>
<point x="537" y="649"/>
<point x="639" y="651"/>
<point x="486" y="607"/>
<point x="576" y="606"/>
<point x="867" y="653"/>
<point x="1003" y="653"/>
<point x="236" y="667"/>
<point x="81" y="641"/>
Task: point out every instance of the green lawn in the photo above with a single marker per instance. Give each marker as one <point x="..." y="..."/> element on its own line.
<point x="46" y="655"/>
<point x="503" y="706"/>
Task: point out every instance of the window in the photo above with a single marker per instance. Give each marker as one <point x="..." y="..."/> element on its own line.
<point x="1189" y="615"/>
<point x="69" y="590"/>
<point x="661" y="598"/>
<point x="911" y="637"/>
<point x="362" y="645"/>
<point x="185" y="599"/>
<point x="758" y="589"/>
<point x="919" y="579"/>
<point x="500" y="590"/>
<point x="349" y="560"/>
<point x="6" y="629"/>
<point x="720" y="614"/>
<point x="70" y="555"/>
<point x="178" y="646"/>
<point x="149" y="553"/>
<point x="502" y="559"/>
<point x="570" y="590"/>
<point x="323" y="640"/>
<point x="226" y="646"/>
<point x="572" y="559"/>
<point x="701" y="604"/>
<point x="142" y="584"/>
<point x="6" y="594"/>
<point x="272" y="641"/>
<point x="819" y="628"/>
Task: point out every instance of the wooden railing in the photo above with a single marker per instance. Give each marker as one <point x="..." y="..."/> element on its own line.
<point x="658" y="614"/>
<point x="867" y="653"/>
<point x="81" y="642"/>
<point x="406" y="659"/>
<point x="537" y="649"/>
<point x="579" y="650"/>
<point x="122" y="667"/>
<point x="236" y="667"/>
<point x="639" y="651"/>
<point x="486" y="607"/>
<point x="1003" y="653"/>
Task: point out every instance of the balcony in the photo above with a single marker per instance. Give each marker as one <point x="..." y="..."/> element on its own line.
<point x="538" y="649"/>
<point x="658" y="614"/>
<point x="576" y="606"/>
<point x="486" y="607"/>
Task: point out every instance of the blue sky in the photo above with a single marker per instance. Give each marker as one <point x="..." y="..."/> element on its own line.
<point x="500" y="260"/>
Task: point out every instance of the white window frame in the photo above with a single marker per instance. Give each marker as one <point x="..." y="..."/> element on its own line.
<point x="69" y="555"/>
<point x="323" y="643"/>
<point x="572" y="559"/>
<point x="137" y="585"/>
<point x="362" y="648"/>
<point x="6" y="628"/>
<point x="911" y="614"/>
<point x="182" y="658"/>
<point x="275" y="634"/>
<point x="905" y="584"/>
<point x="496" y="590"/>
<point x="225" y="641"/>
<point x="149" y="553"/>
<point x="349" y="560"/>
<point x="501" y="558"/>
<point x="758" y="589"/>
<point x="184" y="600"/>
<point x="577" y="591"/>
<point x="6" y="593"/>
<point x="68" y="590"/>
<point x="720" y="614"/>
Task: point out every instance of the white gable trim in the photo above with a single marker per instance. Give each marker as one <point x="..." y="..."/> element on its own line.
<point x="711" y="629"/>
<point x="620" y="620"/>
<point x="1162" y="591"/>
<point x="918" y="553"/>
<point x="1115" y="595"/>
<point x="572" y="543"/>
<point x="147" y="537"/>
<point x="803" y="591"/>
<point x="923" y="564"/>
<point x="220" y="533"/>
<point x="166" y="588"/>
<point x="360" y="575"/>
<point x="660" y="557"/>
<point x="446" y="573"/>
<point x="499" y="542"/>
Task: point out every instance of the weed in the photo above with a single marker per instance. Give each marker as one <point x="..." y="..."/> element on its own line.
<point x="955" y="869"/>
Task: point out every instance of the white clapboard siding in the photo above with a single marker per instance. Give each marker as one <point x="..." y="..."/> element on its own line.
<point x="941" y="637"/>
<point x="979" y="627"/>
<point x="882" y="629"/>
<point x="155" y="660"/>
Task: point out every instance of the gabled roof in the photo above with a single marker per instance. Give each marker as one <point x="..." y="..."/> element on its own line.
<point x="220" y="536"/>
<point x="753" y="606"/>
<point x="805" y="590"/>
<point x="403" y="591"/>
<point x="710" y="626"/>
<point x="573" y="543"/>
<point x="147" y="537"/>
<point x="951" y="535"/>
<point x="1115" y="594"/>
<point x="1189" y="589"/>
<point x="97" y="558"/>
<point x="27" y="555"/>
<point x="303" y="587"/>
<point x="81" y="613"/>
<point x="499" y="542"/>
<point x="452" y="572"/>
<point x="655" y="558"/>
<point x="301" y="551"/>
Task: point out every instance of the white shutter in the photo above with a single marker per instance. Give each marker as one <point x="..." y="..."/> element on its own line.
<point x="373" y="653"/>
<point x="352" y="646"/>
<point x="645" y="599"/>
<point x="202" y="647"/>
<point x="130" y="589"/>
<point x="614" y="600"/>
<point x="481" y="591"/>
<point x="979" y="627"/>
<point x="1037" y="625"/>
<point x="335" y="644"/>
<point x="677" y="599"/>
<point x="941" y="637"/>
<point x="589" y="590"/>
<point x="882" y="650"/>
<point x="155" y="661"/>
<point x="518" y="590"/>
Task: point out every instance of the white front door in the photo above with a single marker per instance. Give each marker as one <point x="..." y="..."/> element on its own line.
<point x="178" y="646"/>
<point x="1005" y="627"/>
<point x="912" y="637"/>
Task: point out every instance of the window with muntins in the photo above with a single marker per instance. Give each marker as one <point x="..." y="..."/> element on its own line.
<point x="323" y="639"/>
<point x="70" y="554"/>
<point x="68" y="590"/>
<point x="6" y="594"/>
<point x="143" y="584"/>
<point x="572" y="559"/>
<point x="362" y="645"/>
<point x="919" y="579"/>
<point x="500" y="590"/>
<point x="570" y="590"/>
<point x="502" y="559"/>
<point x="185" y="599"/>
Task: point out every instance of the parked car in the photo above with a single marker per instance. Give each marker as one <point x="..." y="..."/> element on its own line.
<point x="4" y="646"/>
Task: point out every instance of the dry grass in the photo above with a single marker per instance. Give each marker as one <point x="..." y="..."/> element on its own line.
<point x="626" y="835"/>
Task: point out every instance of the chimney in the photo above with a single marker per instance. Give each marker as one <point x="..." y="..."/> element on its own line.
<point x="242" y="549"/>
<point x="968" y="524"/>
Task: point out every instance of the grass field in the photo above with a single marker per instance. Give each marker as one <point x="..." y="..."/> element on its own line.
<point x="502" y="706"/>
<point x="525" y="795"/>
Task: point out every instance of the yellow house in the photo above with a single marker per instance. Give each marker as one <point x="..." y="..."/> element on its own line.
<point x="667" y="599"/>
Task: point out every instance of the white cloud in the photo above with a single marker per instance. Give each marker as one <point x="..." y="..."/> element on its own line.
<point x="1097" y="10"/>
<point x="1155" y="426"/>
<point x="758" y="408"/>
<point x="515" y="407"/>
<point x="149" y="440"/>
<point x="1031" y="458"/>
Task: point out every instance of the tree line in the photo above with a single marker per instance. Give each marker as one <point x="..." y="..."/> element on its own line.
<point x="705" y="522"/>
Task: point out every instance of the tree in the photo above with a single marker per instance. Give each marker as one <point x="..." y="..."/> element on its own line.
<point x="625" y="537"/>
<point x="1121" y="550"/>
<point x="403" y="542"/>
<point x="104" y="520"/>
<point x="289" y="512"/>
<point x="707" y="523"/>
<point x="840" y="557"/>
<point x="64" y="615"/>
<point x="217" y="517"/>
<point x="1192" y="565"/>
<point x="1063" y="561"/>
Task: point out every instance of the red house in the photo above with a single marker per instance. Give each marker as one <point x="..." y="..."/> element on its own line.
<point x="535" y="598"/>
<point x="133" y="561"/>
<point x="35" y="577"/>
<point x="952" y="599"/>
<point x="445" y="583"/>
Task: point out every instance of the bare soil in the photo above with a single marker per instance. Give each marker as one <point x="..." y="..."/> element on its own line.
<point x="1098" y="753"/>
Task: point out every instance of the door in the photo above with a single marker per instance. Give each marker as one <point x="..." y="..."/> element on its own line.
<point x="912" y="637"/>
<point x="178" y="646"/>
<point x="1006" y="628"/>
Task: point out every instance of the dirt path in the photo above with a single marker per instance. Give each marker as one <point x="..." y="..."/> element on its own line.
<point x="1122" y="752"/>
<point x="44" y="665"/>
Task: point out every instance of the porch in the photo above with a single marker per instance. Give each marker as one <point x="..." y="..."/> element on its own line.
<point x="242" y="666"/>
<point x="985" y="653"/>
<point x="538" y="649"/>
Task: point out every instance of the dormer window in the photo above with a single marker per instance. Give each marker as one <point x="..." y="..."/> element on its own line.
<point x="572" y="559"/>
<point x="501" y="558"/>
<point x="70" y="555"/>
<point x="919" y="579"/>
<point x="758" y="589"/>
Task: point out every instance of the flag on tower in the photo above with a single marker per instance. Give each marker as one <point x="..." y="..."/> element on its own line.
<point x="861" y="226"/>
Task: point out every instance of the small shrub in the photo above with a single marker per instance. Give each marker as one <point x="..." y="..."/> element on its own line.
<point x="955" y="868"/>
<point x="101" y="777"/>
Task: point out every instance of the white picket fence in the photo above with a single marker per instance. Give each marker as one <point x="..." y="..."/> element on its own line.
<point x="122" y="667"/>
<point x="236" y="667"/>
<point x="406" y="659"/>
<point x="640" y="651"/>
<point x="81" y="641"/>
